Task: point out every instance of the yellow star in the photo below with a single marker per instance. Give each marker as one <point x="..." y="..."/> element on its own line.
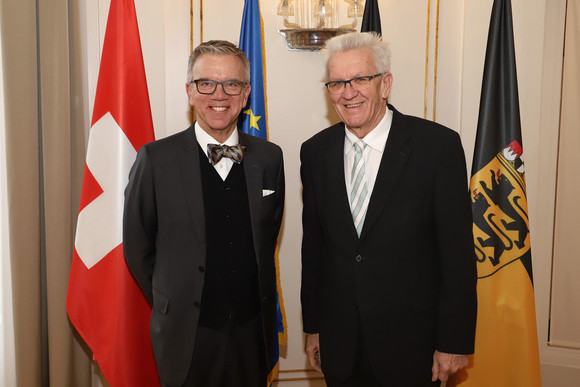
<point x="253" y="119"/>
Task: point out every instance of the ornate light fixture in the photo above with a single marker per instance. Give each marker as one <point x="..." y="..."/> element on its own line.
<point x="315" y="21"/>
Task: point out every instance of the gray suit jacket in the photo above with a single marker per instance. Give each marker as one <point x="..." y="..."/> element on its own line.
<point x="164" y="239"/>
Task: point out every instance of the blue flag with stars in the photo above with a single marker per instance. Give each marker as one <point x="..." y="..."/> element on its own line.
<point x="253" y="120"/>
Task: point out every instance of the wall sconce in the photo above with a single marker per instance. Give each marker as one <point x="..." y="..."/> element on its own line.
<point x="315" y="21"/>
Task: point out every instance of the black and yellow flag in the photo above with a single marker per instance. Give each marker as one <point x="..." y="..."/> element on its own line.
<point x="506" y="344"/>
<point x="371" y="20"/>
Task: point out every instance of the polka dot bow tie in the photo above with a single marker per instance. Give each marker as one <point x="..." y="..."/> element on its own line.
<point x="215" y="153"/>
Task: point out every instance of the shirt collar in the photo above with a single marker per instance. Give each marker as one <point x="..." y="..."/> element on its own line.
<point x="203" y="138"/>
<point x="376" y="138"/>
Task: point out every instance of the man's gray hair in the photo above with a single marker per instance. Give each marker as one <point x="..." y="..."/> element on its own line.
<point x="358" y="40"/>
<point x="219" y="48"/>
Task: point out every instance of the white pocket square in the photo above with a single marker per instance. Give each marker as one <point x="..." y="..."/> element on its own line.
<point x="266" y="192"/>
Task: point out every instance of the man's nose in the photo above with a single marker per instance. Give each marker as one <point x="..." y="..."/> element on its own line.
<point x="349" y="91"/>
<point x="219" y="91"/>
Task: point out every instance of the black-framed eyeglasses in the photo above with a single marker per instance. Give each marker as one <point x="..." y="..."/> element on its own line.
<point x="208" y="86"/>
<point x="357" y="83"/>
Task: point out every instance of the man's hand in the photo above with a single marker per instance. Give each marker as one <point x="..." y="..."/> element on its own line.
<point x="446" y="364"/>
<point x="312" y="349"/>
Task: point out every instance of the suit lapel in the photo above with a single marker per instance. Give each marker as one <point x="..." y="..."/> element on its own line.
<point x="335" y="156"/>
<point x="253" y="171"/>
<point x="191" y="174"/>
<point x="394" y="158"/>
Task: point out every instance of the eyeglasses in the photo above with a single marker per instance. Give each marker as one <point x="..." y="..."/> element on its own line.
<point x="208" y="86"/>
<point x="357" y="83"/>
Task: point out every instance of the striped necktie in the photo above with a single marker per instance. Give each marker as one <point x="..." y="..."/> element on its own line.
<point x="358" y="194"/>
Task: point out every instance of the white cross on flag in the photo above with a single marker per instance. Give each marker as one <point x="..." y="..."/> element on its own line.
<point x="104" y="303"/>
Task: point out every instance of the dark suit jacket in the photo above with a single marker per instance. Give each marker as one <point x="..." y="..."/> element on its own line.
<point x="164" y="239"/>
<point x="408" y="284"/>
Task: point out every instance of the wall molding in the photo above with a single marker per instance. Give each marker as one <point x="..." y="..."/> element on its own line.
<point x="428" y="49"/>
<point x="550" y="354"/>
<point x="298" y="375"/>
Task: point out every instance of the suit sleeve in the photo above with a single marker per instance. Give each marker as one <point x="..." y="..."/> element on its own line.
<point x="312" y="248"/>
<point x="140" y="223"/>
<point x="458" y="276"/>
<point x="280" y="192"/>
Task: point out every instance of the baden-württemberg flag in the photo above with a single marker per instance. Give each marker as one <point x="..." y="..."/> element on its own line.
<point x="371" y="20"/>
<point x="506" y="346"/>
<point x="253" y="120"/>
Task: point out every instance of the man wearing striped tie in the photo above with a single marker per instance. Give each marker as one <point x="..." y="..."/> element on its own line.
<point x="388" y="266"/>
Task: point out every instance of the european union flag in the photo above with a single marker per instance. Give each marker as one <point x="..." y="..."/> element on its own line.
<point x="253" y="120"/>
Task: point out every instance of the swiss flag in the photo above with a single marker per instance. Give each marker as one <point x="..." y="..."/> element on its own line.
<point x="104" y="303"/>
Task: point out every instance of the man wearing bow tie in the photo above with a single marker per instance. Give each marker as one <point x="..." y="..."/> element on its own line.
<point x="203" y="210"/>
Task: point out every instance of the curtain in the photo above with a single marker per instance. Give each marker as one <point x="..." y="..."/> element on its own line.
<point x="7" y="367"/>
<point x="43" y="100"/>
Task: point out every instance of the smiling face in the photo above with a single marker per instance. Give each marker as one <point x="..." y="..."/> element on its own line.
<point x="217" y="113"/>
<point x="360" y="110"/>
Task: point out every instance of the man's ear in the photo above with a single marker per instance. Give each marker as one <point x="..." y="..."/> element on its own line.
<point x="189" y="90"/>
<point x="387" y="83"/>
<point x="247" y="93"/>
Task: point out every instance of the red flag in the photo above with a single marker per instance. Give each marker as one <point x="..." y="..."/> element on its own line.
<point x="104" y="303"/>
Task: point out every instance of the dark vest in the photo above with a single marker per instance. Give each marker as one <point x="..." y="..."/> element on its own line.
<point x="231" y="288"/>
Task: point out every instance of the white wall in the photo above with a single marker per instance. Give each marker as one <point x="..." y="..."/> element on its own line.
<point x="298" y="105"/>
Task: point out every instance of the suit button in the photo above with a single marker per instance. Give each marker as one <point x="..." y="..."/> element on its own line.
<point x="226" y="215"/>
<point x="197" y="304"/>
<point x="201" y="269"/>
<point x="358" y="258"/>
<point x="227" y="188"/>
<point x="354" y="307"/>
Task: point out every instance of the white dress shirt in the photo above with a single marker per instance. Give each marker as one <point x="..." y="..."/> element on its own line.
<point x="376" y="140"/>
<point x="224" y="166"/>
